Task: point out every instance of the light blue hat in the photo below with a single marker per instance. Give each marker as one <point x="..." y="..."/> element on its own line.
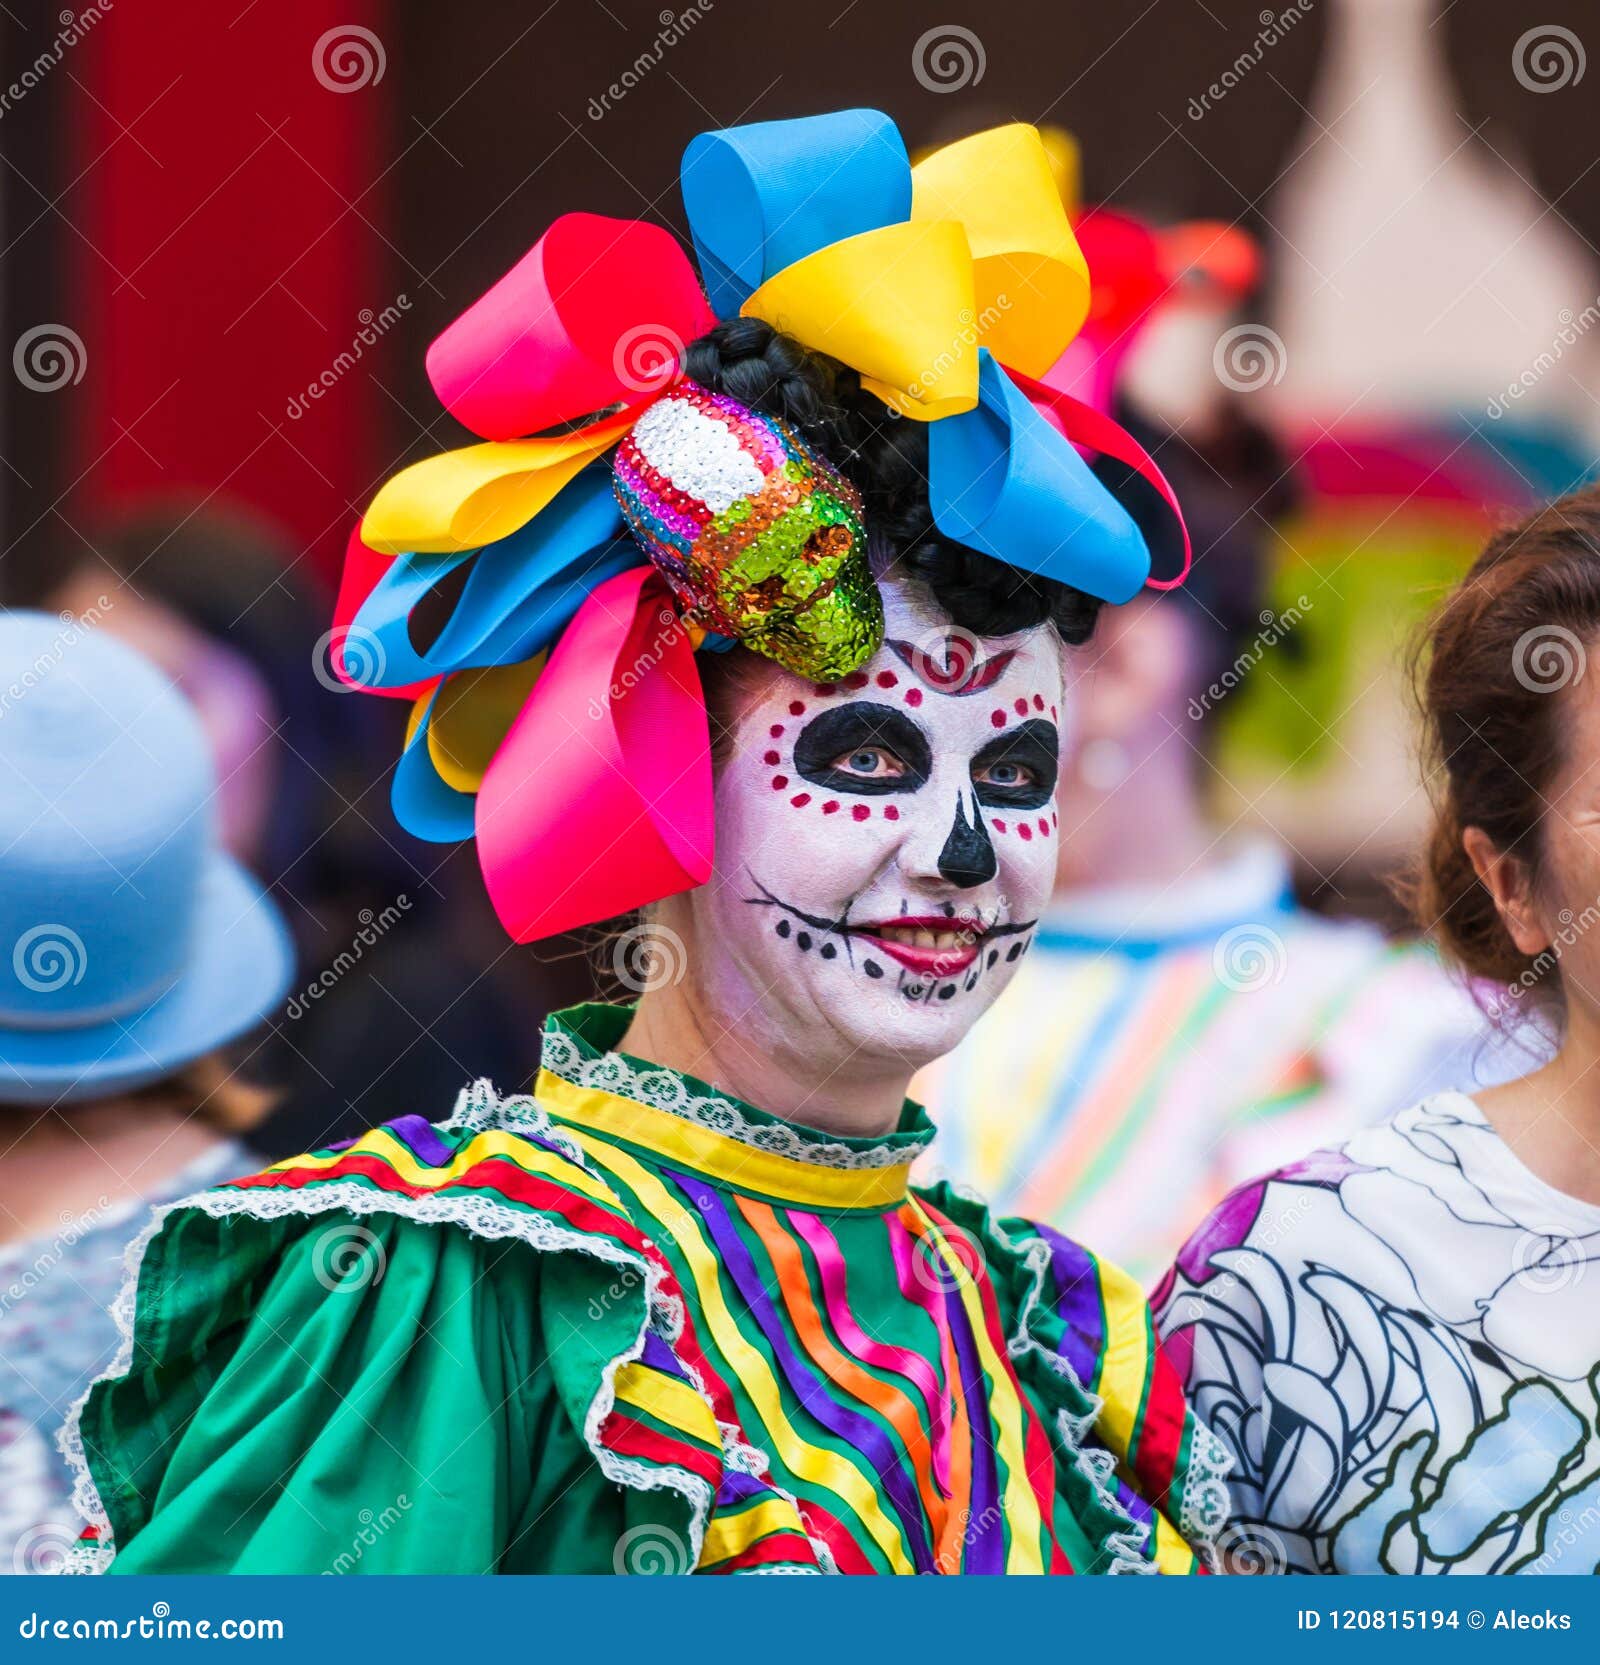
<point x="130" y="944"/>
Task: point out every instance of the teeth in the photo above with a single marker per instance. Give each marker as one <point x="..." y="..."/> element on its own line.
<point x="920" y="936"/>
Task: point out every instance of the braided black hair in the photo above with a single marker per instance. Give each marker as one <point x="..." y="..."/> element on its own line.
<point x="886" y="457"/>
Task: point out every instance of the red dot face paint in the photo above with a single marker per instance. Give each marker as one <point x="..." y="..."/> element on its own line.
<point x="856" y="680"/>
<point x="860" y="812"/>
<point x="831" y="807"/>
<point x="800" y="799"/>
<point x="999" y="826"/>
<point x="891" y="812"/>
<point x="887" y="679"/>
<point x="1044" y="827"/>
<point x="797" y="708"/>
<point x="1024" y="831"/>
<point x="771" y="758"/>
<point x="1020" y="706"/>
<point x="779" y="782"/>
<point x="1038" y="702"/>
<point x="998" y="718"/>
<point x="776" y="731"/>
<point x="913" y="697"/>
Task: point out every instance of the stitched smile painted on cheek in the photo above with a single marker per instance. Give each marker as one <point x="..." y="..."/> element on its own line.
<point x="923" y="786"/>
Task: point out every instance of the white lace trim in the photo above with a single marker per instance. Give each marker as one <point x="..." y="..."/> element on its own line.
<point x="1204" y="1506"/>
<point x="664" y="1089"/>
<point x="478" y="1108"/>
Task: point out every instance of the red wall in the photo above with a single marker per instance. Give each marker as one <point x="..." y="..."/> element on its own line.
<point x="230" y="218"/>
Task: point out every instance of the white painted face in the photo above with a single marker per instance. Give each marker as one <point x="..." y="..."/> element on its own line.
<point x="885" y="843"/>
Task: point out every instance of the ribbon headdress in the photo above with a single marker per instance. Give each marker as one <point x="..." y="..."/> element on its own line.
<point x="558" y="714"/>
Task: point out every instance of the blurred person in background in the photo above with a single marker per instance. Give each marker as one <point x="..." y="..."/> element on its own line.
<point x="399" y="999"/>
<point x="1185" y="1022"/>
<point x="133" y="951"/>
<point x="1399" y="1337"/>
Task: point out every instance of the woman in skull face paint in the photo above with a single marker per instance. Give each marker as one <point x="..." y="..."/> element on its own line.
<point x="680" y="1309"/>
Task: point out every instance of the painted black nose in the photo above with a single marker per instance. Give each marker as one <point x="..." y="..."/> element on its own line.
<point x="967" y="858"/>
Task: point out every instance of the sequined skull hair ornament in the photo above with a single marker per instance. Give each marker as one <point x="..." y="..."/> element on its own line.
<point x="623" y="511"/>
<point x="760" y="539"/>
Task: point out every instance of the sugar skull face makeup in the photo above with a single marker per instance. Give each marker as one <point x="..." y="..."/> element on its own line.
<point x="885" y="843"/>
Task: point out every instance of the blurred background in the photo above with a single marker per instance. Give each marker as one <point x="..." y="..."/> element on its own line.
<point x="1367" y="230"/>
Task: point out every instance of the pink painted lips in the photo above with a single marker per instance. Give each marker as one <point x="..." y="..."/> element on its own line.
<point x="933" y="947"/>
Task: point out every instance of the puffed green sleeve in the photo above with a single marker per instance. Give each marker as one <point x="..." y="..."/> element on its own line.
<point x="342" y="1395"/>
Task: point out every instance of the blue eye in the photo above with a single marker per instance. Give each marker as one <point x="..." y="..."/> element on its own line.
<point x="1006" y="773"/>
<point x="870" y="763"/>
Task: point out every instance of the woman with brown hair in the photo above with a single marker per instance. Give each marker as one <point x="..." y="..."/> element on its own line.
<point x="1400" y="1338"/>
